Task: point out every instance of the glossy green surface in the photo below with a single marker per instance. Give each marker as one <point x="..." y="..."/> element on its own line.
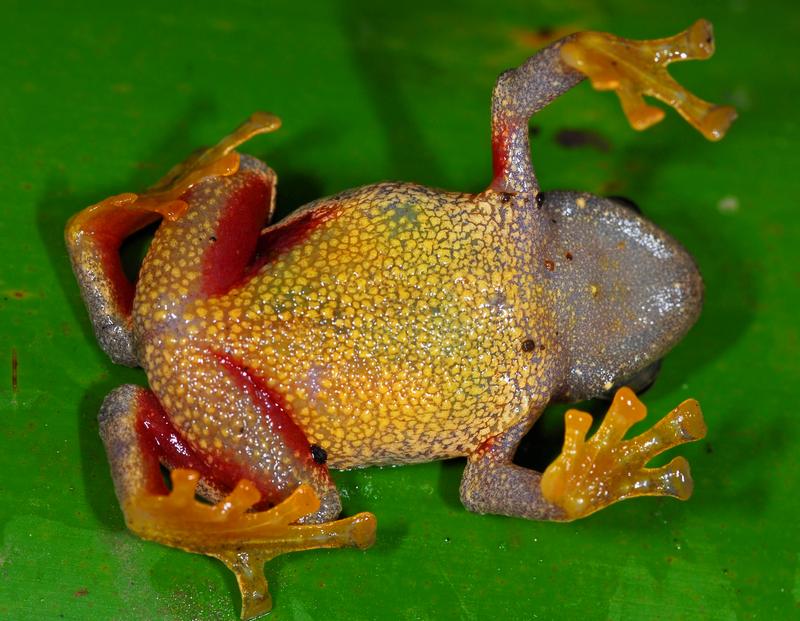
<point x="96" y="101"/>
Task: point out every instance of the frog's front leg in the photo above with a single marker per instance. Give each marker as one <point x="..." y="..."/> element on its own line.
<point x="631" y="68"/>
<point x="493" y="484"/>
<point x="588" y="475"/>
<point x="139" y="440"/>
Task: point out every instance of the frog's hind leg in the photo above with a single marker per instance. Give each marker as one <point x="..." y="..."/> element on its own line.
<point x="94" y="236"/>
<point x="230" y="530"/>
<point x="588" y="475"/>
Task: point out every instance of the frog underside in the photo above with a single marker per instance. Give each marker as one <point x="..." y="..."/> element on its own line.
<point x="388" y="324"/>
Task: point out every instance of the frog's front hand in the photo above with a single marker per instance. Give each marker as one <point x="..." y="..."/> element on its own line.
<point x="588" y="476"/>
<point x="242" y="539"/>
<point x="636" y="68"/>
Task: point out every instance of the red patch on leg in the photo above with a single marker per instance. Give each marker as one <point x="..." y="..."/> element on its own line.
<point x="161" y="441"/>
<point x="499" y="151"/>
<point x="237" y="233"/>
<point x="275" y="411"/>
<point x="284" y="236"/>
<point x="108" y="227"/>
<point x="485" y="446"/>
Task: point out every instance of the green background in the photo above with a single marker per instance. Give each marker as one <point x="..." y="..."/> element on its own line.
<point x="95" y="101"/>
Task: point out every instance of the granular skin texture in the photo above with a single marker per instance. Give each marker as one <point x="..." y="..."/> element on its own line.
<point x="392" y="332"/>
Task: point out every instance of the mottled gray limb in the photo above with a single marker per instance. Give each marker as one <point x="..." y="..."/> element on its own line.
<point x="518" y="94"/>
<point x="112" y="325"/>
<point x="492" y="484"/>
<point x="117" y="418"/>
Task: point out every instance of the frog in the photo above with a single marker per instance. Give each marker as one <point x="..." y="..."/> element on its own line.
<point x="390" y="324"/>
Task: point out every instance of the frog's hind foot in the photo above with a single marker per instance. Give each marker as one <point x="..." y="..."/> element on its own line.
<point x="231" y="529"/>
<point x="241" y="538"/>
<point x="589" y="475"/>
<point x="637" y="68"/>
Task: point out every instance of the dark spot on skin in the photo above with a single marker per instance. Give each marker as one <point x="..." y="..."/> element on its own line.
<point x="709" y="40"/>
<point x="540" y="200"/>
<point x="213" y="238"/>
<point x="549" y="265"/>
<point x="568" y="256"/>
<point x="580" y="138"/>
<point x="505" y="197"/>
<point x="319" y="454"/>
<point x="241" y="430"/>
<point x="553" y="220"/>
<point x="528" y="345"/>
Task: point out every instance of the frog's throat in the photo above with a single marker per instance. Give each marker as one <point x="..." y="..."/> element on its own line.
<point x="241" y="538"/>
<point x="637" y="68"/>
<point x="590" y="475"/>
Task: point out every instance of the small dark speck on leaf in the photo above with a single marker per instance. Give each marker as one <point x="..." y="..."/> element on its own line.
<point x="82" y="592"/>
<point x="580" y="138"/>
<point x="534" y="130"/>
<point x="447" y="539"/>
<point x="709" y="448"/>
<point x="14" y="370"/>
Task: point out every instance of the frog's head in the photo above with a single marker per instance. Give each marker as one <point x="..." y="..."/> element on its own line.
<point x="626" y="291"/>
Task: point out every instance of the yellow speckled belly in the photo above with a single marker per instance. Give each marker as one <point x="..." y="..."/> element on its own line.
<point x="395" y="328"/>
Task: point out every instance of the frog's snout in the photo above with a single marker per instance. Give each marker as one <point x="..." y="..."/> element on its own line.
<point x="626" y="291"/>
